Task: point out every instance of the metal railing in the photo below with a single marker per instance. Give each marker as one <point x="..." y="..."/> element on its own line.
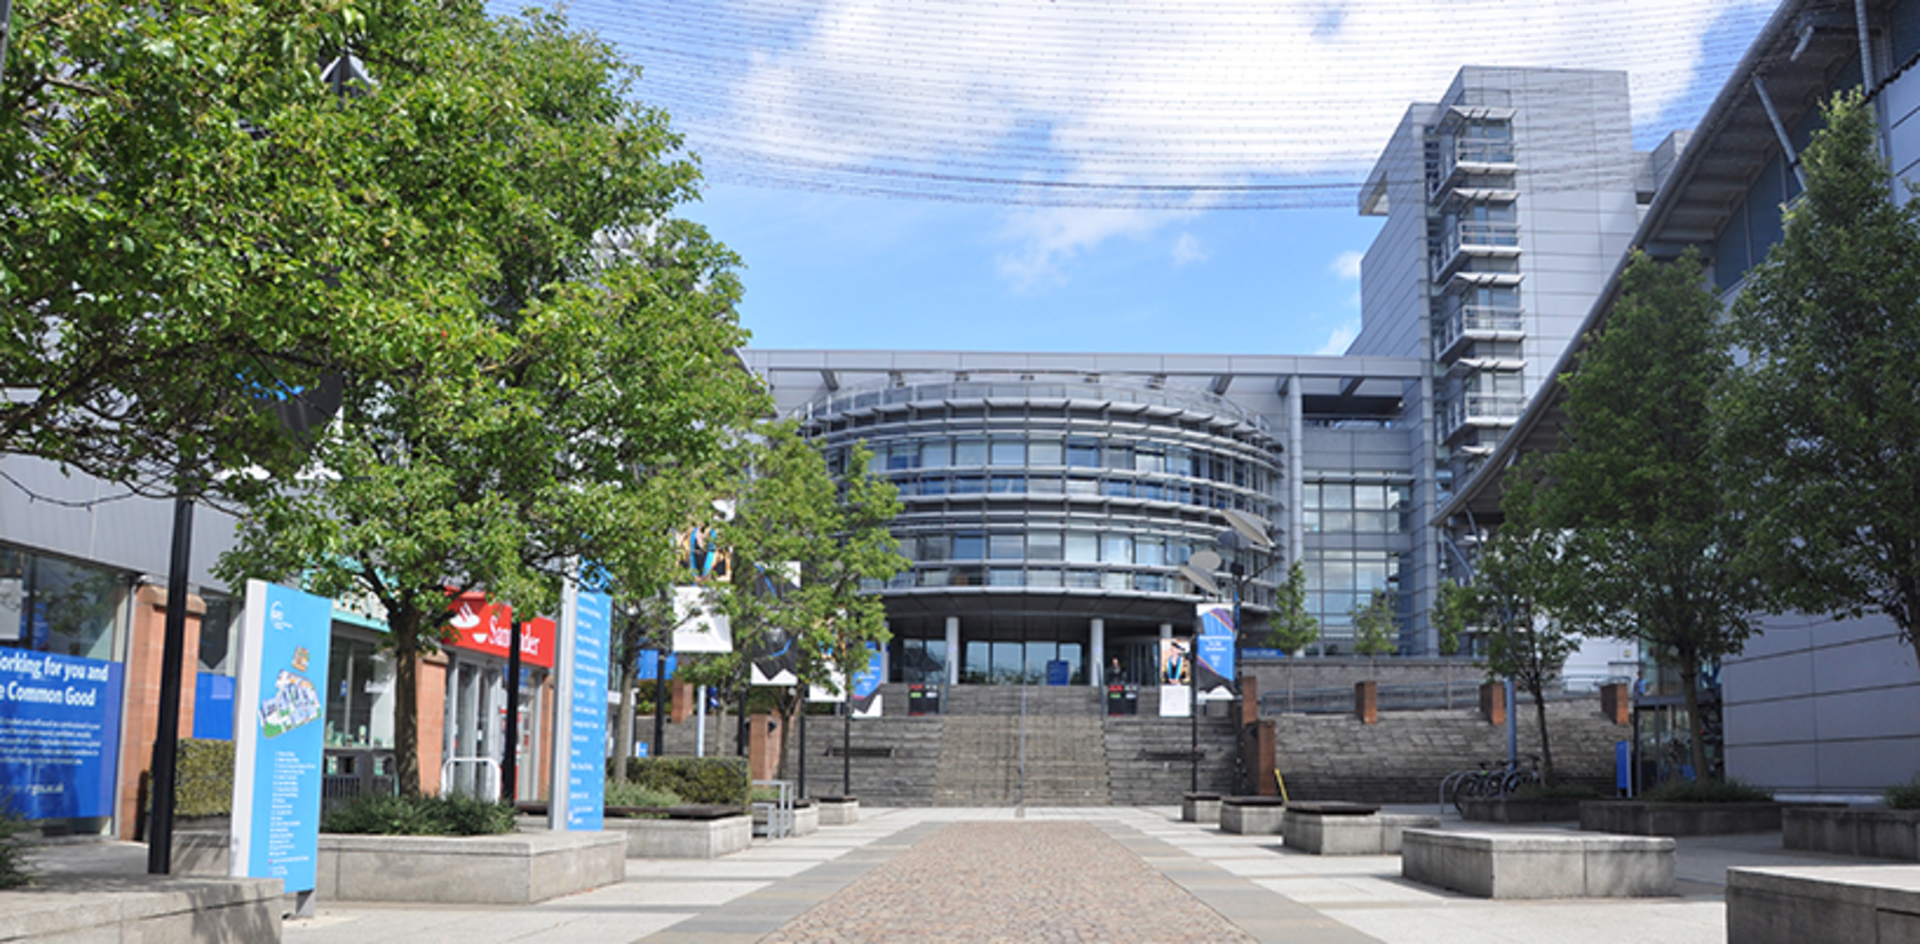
<point x="778" y="812"/>
<point x="871" y="397"/>
<point x="1489" y="409"/>
<point x="1400" y="696"/>
<point x="483" y="781"/>
<point x="1479" y="320"/>
<point x="1487" y="155"/>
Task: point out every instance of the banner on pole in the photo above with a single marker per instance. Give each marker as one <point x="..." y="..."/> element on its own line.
<point x="279" y="740"/>
<point x="866" y="684"/>
<point x="1213" y="662"/>
<point x="699" y="626"/>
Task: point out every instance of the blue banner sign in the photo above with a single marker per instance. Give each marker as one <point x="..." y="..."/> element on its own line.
<point x="59" y="734"/>
<point x="587" y="752"/>
<point x="278" y="735"/>
<point x="866" y="684"/>
<point x="650" y="665"/>
<point x="1213" y="676"/>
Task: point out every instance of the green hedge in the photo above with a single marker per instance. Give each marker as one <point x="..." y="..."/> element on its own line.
<point x="694" y="779"/>
<point x="381" y="815"/>
<point x="203" y="778"/>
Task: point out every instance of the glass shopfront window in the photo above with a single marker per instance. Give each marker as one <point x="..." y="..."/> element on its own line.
<point x="359" y="695"/>
<point x="52" y="605"/>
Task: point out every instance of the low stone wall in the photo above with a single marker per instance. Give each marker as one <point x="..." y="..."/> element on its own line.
<point x="1252" y="816"/>
<point x="1796" y="904"/>
<point x="514" y="869"/>
<point x="1637" y="818"/>
<point x="839" y="811"/>
<point x="151" y="909"/>
<point x="683" y="838"/>
<point x="1200" y="808"/>
<point x="1870" y="833"/>
<point x="1404" y="755"/>
<point x="1540" y="865"/>
<point x="1370" y="834"/>
<point x="806" y="818"/>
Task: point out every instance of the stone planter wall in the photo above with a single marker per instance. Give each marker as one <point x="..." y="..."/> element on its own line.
<point x="516" y="869"/>
<point x="1252" y="816"/>
<point x="1635" y="818"/>
<point x="154" y="909"/>
<point x="1519" y="811"/>
<point x="1870" y="833"/>
<point x="684" y="838"/>
<point x="1200" y="808"/>
<point x="1797" y="904"/>
<point x="842" y="811"/>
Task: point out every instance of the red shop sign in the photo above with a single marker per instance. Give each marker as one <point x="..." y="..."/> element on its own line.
<point x="479" y="626"/>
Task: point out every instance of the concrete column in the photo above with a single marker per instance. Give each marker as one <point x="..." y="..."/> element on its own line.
<point x="1166" y="630"/>
<point x="1097" y="651"/>
<point x="953" y="650"/>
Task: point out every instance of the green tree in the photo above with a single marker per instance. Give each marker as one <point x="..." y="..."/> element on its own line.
<point x="1515" y="582"/>
<point x="1452" y="614"/>
<point x="597" y="375"/>
<point x="1822" y="425"/>
<point x="1652" y="554"/>
<point x="795" y="519"/>
<point x="1290" y="628"/>
<point x="1375" y="631"/>
<point x="194" y="233"/>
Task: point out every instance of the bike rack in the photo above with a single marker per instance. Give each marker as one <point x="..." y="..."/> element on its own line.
<point x="486" y="763"/>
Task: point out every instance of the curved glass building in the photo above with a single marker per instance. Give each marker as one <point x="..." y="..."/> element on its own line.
<point x="1049" y="500"/>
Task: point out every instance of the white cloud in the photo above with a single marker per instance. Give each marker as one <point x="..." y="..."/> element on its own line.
<point x="1346" y="266"/>
<point x="1341" y="338"/>
<point x="1182" y="89"/>
<point x="1188" y="250"/>
<point x="1048" y="238"/>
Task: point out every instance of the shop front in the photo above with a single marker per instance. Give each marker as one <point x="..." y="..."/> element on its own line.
<point x="477" y="700"/>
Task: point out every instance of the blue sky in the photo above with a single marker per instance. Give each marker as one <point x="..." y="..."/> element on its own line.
<point x="1223" y="91"/>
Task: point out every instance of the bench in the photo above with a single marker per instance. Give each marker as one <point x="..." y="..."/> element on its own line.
<point x="1252" y="815"/>
<point x="874" y="753"/>
<point x="1781" y="904"/>
<point x="1540" y="864"/>
<point x="1348" y="828"/>
<point x="1200" y="808"/>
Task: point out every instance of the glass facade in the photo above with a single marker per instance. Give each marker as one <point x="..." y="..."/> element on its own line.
<point x="1030" y="509"/>
<point x="52" y="605"/>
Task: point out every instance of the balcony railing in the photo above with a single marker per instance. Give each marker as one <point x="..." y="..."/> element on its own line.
<point x="1481" y="409"/>
<point x="1479" y="323"/>
<point x="1469" y="156"/>
<point x="1470" y="236"/>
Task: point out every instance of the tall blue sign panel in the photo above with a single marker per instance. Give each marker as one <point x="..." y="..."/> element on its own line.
<point x="587" y="752"/>
<point x="278" y="742"/>
<point x="59" y="734"/>
<point x="866" y="685"/>
<point x="1213" y="677"/>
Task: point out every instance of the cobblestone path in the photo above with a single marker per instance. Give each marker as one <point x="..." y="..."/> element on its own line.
<point x="979" y="882"/>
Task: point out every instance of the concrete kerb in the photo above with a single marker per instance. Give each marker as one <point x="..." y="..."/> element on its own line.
<point x="156" y="909"/>
<point x="1823" y="903"/>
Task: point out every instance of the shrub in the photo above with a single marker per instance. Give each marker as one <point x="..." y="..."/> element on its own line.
<point x="622" y="793"/>
<point x="203" y="778"/>
<point x="13" y="850"/>
<point x="1707" y="791"/>
<point x="381" y="815"/>
<point x="1905" y="796"/>
<point x="721" y="780"/>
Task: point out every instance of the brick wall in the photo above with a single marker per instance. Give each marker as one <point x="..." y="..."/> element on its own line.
<point x="140" y="721"/>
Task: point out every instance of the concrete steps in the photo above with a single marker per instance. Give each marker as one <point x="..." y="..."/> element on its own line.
<point x="980" y="762"/>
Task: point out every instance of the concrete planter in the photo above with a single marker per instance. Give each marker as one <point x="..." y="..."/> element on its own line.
<point x="806" y="817"/>
<point x="157" y="909"/>
<point x="1252" y="816"/>
<point x="1350" y="834"/>
<point x="839" y="811"/>
<point x="514" y="869"/>
<point x="1795" y="904"/>
<point x="1200" y="808"/>
<point x="1870" y="833"/>
<point x="1635" y="818"/>
<point x="1540" y="865"/>
<point x="1519" y="811"/>
<point x="684" y="838"/>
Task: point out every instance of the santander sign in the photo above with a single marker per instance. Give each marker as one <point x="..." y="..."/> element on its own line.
<point x="479" y="626"/>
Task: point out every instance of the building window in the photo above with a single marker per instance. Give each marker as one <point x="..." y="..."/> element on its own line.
<point x="1083" y="547"/>
<point x="51" y="605"/>
<point x="969" y="452"/>
<point x="1009" y="452"/>
<point x="1043" y="454"/>
<point x="1083" y="453"/>
<point x="969" y="545"/>
<point x="359" y="695"/>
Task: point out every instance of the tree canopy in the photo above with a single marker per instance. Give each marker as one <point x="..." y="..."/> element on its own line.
<point x="1822" y="423"/>
<point x="588" y="378"/>
<point x="1653" y="541"/>
<point x="1290" y="628"/>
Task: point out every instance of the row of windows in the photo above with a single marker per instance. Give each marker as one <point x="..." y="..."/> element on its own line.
<point x="933" y="486"/>
<point x="1046" y="578"/>
<point x="1338" y="581"/>
<point x="1077" y="547"/>
<point x="51" y="605"/>
<point x="943" y="452"/>
<point x="1360" y="508"/>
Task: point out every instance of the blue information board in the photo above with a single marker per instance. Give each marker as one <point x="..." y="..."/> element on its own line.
<point x="1213" y="678"/>
<point x="278" y="737"/>
<point x="866" y="684"/>
<point x="587" y="752"/>
<point x="59" y="734"/>
<point x="650" y="664"/>
<point x="213" y="707"/>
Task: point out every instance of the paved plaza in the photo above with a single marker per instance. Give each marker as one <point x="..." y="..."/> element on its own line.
<point x="1109" y="874"/>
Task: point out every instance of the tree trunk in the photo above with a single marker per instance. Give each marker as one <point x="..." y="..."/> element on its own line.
<point x="623" y="731"/>
<point x="1547" y="776"/>
<point x="404" y="624"/>
<point x="784" y="704"/>
<point x="1690" y="691"/>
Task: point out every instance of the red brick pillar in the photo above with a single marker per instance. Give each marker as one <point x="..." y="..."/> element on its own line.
<point x="140" y="717"/>
<point x="1249" y="700"/>
<point x="1493" y="702"/>
<point x="763" y="746"/>
<point x="430" y="718"/>
<point x="1264" y="755"/>
<point x="1366" y="702"/>
<point x="1615" y="705"/>
<point x="682" y="703"/>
